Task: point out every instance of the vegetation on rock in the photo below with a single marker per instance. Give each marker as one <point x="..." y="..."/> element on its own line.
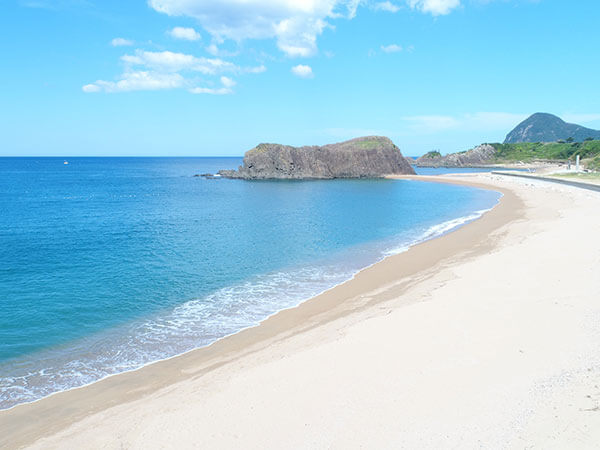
<point x="528" y="151"/>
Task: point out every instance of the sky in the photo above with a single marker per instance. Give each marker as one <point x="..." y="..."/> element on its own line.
<point x="215" y="78"/>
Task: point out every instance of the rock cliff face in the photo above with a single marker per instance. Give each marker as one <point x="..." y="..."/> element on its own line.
<point x="478" y="156"/>
<point x="544" y="127"/>
<point x="366" y="157"/>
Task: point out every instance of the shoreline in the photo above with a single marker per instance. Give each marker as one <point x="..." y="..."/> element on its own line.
<point x="428" y="234"/>
<point x="29" y="421"/>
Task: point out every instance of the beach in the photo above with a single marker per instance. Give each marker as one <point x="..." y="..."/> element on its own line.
<point x="487" y="337"/>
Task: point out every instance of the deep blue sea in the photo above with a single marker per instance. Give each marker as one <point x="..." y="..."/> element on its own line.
<point x="107" y="264"/>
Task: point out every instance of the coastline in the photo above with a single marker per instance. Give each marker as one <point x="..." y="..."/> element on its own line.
<point x="337" y="269"/>
<point x="325" y="307"/>
<point x="483" y="336"/>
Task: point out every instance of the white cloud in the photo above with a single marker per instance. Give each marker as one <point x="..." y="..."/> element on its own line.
<point x="226" y="88"/>
<point x="187" y="34"/>
<point x="211" y="91"/>
<point x="386" y="6"/>
<point x="302" y="71"/>
<point x="167" y="61"/>
<point x="213" y="49"/>
<point x="138" y="81"/>
<point x="294" y="24"/>
<point x="434" y="7"/>
<point x="256" y="69"/>
<point x="228" y="82"/>
<point x="121" y="42"/>
<point x="145" y="70"/>
<point x="392" y="48"/>
<point x="89" y="88"/>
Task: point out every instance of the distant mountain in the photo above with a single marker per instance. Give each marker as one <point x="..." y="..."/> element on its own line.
<point x="544" y="127"/>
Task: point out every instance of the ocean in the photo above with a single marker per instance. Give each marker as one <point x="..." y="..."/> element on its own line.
<point x="108" y="264"/>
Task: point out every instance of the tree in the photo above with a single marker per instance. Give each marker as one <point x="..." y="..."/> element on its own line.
<point x="589" y="139"/>
<point x="570" y="139"/>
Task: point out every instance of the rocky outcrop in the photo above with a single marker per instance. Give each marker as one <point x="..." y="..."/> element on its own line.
<point x="365" y="157"/>
<point x="481" y="155"/>
<point x="430" y="159"/>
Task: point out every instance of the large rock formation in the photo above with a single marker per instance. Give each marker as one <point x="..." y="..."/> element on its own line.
<point x="481" y="155"/>
<point x="544" y="127"/>
<point x="365" y="157"/>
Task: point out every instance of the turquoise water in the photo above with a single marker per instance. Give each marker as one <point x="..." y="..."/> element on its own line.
<point x="107" y="264"/>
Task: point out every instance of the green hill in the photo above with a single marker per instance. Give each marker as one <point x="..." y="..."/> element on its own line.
<point x="498" y="154"/>
<point x="527" y="151"/>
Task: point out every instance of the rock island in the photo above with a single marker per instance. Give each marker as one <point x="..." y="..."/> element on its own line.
<point x="364" y="157"/>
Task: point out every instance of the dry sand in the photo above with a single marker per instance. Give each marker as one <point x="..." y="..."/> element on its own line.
<point x="488" y="337"/>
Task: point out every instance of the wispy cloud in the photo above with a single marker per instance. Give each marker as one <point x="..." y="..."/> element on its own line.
<point x="147" y="70"/>
<point x="228" y="82"/>
<point x="211" y="91"/>
<point x="386" y="6"/>
<point x="215" y="50"/>
<point x="187" y="34"/>
<point x="256" y="69"/>
<point x="121" y="42"/>
<point x="302" y="71"/>
<point x="392" y="48"/>
<point x="167" y="61"/>
<point x="434" y="7"/>
<point x="137" y="81"/>
<point x="226" y="88"/>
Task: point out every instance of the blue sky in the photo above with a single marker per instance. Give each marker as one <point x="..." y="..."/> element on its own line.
<point x="203" y="78"/>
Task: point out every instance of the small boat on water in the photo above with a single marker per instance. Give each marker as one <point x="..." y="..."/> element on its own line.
<point x="66" y="162"/>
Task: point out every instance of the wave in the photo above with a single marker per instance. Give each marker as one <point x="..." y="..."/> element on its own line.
<point x="439" y="230"/>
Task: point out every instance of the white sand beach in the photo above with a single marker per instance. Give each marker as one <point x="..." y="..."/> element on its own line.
<point x="488" y="337"/>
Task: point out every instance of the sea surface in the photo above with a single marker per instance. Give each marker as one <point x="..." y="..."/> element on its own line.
<point x="108" y="264"/>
